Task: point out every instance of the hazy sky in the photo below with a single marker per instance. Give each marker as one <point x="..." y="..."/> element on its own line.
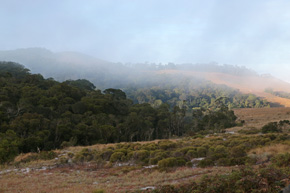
<point x="253" y="33"/>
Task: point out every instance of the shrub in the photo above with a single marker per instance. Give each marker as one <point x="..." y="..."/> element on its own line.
<point x="271" y="127"/>
<point x="84" y="155"/>
<point x="281" y="160"/>
<point x="171" y="162"/>
<point x="201" y="151"/>
<point x="205" y="163"/>
<point x="223" y="162"/>
<point x="165" y="145"/>
<point x="250" y="131"/>
<point x="117" y="156"/>
<point x="106" y="154"/>
<point x="188" y="164"/>
<point x="47" y="155"/>
<point x="141" y="155"/>
<point x="243" y="180"/>
<point x="167" y="162"/>
<point x="98" y="191"/>
<point x="191" y="154"/>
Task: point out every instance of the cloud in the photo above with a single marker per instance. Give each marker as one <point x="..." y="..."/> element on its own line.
<point x="251" y="33"/>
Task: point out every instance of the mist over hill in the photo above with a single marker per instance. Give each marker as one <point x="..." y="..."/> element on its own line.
<point x="104" y="74"/>
<point x="72" y="65"/>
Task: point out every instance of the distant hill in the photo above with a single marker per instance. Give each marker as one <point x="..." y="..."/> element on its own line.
<point x="67" y="65"/>
<point x="104" y="74"/>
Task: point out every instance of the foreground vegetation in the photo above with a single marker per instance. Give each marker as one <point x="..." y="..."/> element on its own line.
<point x="230" y="163"/>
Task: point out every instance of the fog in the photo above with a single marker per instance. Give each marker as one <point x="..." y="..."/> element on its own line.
<point x="247" y="33"/>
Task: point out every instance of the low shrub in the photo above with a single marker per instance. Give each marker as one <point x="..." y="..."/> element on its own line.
<point x="84" y="155"/>
<point x="192" y="154"/>
<point x="106" y="154"/>
<point x="281" y="160"/>
<point x="141" y="155"/>
<point x="117" y="156"/>
<point x="271" y="127"/>
<point x="165" y="145"/>
<point x="171" y="162"/>
<point x="245" y="179"/>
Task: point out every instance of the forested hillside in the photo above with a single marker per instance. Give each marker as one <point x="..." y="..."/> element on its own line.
<point x="43" y="114"/>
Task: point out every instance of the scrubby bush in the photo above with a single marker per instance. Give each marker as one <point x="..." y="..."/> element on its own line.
<point x="85" y="155"/>
<point x="168" y="162"/>
<point x="141" y="155"/>
<point x="205" y="163"/>
<point x="192" y="154"/>
<point x="171" y="162"/>
<point x="270" y="180"/>
<point x="156" y="156"/>
<point x="106" y="154"/>
<point x="98" y="191"/>
<point x="201" y="151"/>
<point x="281" y="160"/>
<point x="117" y="156"/>
<point x="165" y="145"/>
<point x="250" y="131"/>
<point x="271" y="127"/>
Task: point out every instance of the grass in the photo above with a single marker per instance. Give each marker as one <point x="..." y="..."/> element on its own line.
<point x="82" y="179"/>
<point x="271" y="150"/>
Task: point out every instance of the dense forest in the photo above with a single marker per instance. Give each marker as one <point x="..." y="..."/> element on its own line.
<point x="200" y="94"/>
<point x="43" y="114"/>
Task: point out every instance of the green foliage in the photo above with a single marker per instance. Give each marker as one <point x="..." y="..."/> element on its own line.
<point x="141" y="155"/>
<point x="171" y="162"/>
<point x="85" y="155"/>
<point x="9" y="143"/>
<point x="191" y="93"/>
<point x="281" y="160"/>
<point x="81" y="83"/>
<point x="117" y="156"/>
<point x="98" y="191"/>
<point x="271" y="127"/>
<point x="250" y="131"/>
<point x="265" y="179"/>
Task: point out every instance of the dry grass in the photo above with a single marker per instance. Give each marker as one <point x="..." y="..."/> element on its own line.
<point x="83" y="179"/>
<point x="100" y="147"/>
<point x="259" y="117"/>
<point x="271" y="150"/>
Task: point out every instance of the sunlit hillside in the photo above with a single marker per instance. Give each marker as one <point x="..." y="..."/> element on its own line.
<point x="246" y="84"/>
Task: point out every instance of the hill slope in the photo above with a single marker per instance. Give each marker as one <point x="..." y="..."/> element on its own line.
<point x="254" y="84"/>
<point x="104" y="74"/>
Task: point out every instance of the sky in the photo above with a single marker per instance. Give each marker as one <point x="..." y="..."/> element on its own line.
<point x="251" y="33"/>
